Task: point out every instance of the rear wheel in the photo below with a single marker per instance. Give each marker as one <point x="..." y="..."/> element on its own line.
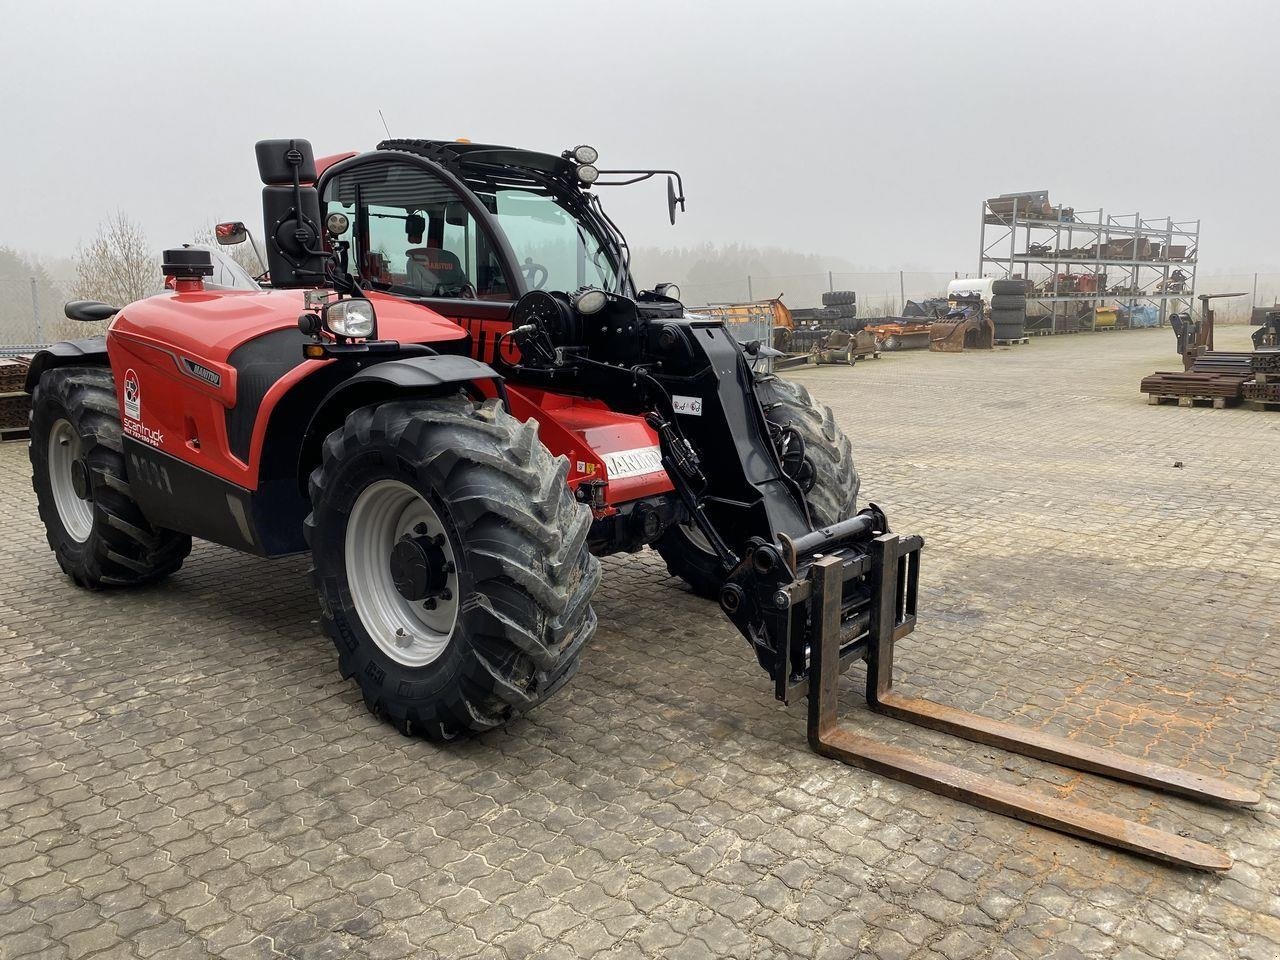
<point x="451" y="563"/>
<point x="828" y="477"/>
<point x="96" y="530"/>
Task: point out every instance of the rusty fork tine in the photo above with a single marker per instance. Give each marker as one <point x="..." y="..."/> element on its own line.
<point x="1073" y="818"/>
<point x="1055" y="749"/>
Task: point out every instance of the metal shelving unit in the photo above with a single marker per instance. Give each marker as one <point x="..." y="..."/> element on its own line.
<point x="1087" y="257"/>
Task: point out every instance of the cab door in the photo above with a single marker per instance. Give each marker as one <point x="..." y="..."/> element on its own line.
<point x="414" y="232"/>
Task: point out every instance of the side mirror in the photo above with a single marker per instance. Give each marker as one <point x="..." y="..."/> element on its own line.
<point x="229" y="234"/>
<point x="671" y="200"/>
<point x="291" y="212"/>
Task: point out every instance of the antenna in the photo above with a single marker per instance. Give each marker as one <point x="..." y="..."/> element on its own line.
<point x="384" y="123"/>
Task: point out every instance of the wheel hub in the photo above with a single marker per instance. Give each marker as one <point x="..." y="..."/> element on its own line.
<point x="402" y="572"/>
<point x="419" y="566"/>
<point x="80" y="479"/>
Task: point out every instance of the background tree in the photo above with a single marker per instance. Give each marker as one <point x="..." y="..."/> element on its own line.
<point x="241" y="253"/>
<point x="118" y="265"/>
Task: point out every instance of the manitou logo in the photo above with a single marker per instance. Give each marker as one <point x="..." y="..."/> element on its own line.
<point x="132" y="396"/>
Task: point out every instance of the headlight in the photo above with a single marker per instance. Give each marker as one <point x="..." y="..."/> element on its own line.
<point x="587" y="173"/>
<point x="350" y="318"/>
<point x="337" y="224"/>
<point x="590" y="301"/>
<point x="585" y="154"/>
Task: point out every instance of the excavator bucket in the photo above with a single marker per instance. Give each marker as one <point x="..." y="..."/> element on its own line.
<point x="954" y="333"/>
<point x="892" y="572"/>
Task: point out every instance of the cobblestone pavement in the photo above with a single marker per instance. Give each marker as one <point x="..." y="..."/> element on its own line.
<point x="183" y="774"/>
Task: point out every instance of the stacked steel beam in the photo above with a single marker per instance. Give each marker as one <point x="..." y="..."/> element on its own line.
<point x="15" y="404"/>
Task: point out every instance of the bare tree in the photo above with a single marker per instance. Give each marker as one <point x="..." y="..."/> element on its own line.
<point x="117" y="266"/>
<point x="242" y="253"/>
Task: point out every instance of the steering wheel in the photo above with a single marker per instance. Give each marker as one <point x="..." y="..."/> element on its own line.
<point x="535" y="274"/>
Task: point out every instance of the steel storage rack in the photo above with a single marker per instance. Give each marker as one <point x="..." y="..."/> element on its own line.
<point x="1078" y="261"/>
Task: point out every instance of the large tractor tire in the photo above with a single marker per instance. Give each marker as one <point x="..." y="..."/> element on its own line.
<point x="829" y="478"/>
<point x="839" y="298"/>
<point x="451" y="563"/>
<point x="96" y="530"/>
<point x="1006" y="301"/>
<point x="1016" y="288"/>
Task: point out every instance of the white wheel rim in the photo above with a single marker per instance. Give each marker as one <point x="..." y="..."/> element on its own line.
<point x="696" y="537"/>
<point x="64" y="450"/>
<point x="405" y="630"/>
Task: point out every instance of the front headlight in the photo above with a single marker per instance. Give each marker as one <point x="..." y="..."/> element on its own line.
<point x="350" y="318"/>
<point x="588" y="174"/>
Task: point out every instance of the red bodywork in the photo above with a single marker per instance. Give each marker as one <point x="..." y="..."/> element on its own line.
<point x="172" y="352"/>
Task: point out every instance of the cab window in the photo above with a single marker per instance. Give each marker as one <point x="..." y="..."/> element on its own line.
<point x="411" y="233"/>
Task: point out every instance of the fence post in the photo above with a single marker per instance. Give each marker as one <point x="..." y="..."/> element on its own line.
<point x="902" y="295"/>
<point x="1254" y="302"/>
<point x="831" y="282"/>
<point x="35" y="314"/>
<point x="750" y="296"/>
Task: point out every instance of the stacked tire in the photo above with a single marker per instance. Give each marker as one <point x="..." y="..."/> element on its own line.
<point x="1009" y="309"/>
<point x="842" y="303"/>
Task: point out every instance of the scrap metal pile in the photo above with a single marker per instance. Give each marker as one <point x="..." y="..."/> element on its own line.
<point x="1221" y="377"/>
<point x="1265" y="385"/>
<point x="15" y="404"/>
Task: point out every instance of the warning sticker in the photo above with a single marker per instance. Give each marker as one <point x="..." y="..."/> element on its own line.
<point x="132" y="396"/>
<point x="691" y="406"/>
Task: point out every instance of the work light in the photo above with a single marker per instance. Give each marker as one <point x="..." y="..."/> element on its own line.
<point x="350" y="318"/>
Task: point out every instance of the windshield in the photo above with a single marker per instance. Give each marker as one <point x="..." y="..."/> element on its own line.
<point x="554" y="250"/>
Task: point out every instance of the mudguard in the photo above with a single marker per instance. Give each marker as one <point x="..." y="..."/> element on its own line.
<point x="91" y="351"/>
<point x="412" y="374"/>
<point x="408" y="375"/>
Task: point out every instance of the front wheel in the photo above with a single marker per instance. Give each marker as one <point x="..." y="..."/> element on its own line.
<point x="827" y="475"/>
<point x="451" y="563"/>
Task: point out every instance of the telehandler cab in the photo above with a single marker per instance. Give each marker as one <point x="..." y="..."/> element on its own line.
<point x="453" y="394"/>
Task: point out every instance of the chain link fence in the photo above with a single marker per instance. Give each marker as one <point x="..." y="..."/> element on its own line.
<point x="879" y="294"/>
<point x="31" y="316"/>
<point x="31" y="308"/>
<point x="885" y="294"/>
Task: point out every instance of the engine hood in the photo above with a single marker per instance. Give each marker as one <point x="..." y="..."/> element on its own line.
<point x="213" y="323"/>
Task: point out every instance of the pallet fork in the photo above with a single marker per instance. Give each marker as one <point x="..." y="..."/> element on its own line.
<point x="891" y="568"/>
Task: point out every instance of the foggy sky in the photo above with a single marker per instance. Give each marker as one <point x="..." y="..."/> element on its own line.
<point x="868" y="131"/>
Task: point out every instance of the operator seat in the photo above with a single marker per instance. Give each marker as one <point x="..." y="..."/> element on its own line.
<point x="436" y="272"/>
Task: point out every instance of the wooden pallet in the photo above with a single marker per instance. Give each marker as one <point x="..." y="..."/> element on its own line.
<point x="1009" y="343"/>
<point x="1167" y="399"/>
<point x="1262" y="405"/>
<point x="13" y="433"/>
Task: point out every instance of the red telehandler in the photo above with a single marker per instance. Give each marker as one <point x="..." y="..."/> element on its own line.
<point x="452" y="393"/>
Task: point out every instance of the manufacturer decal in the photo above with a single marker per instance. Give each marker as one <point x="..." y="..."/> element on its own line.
<point x="633" y="463"/>
<point x="201" y="372"/>
<point x="132" y="396"/>
<point x="139" y="431"/>
<point x="690" y="406"/>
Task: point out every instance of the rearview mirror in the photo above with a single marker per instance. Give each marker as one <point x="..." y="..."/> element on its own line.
<point x="229" y="234"/>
